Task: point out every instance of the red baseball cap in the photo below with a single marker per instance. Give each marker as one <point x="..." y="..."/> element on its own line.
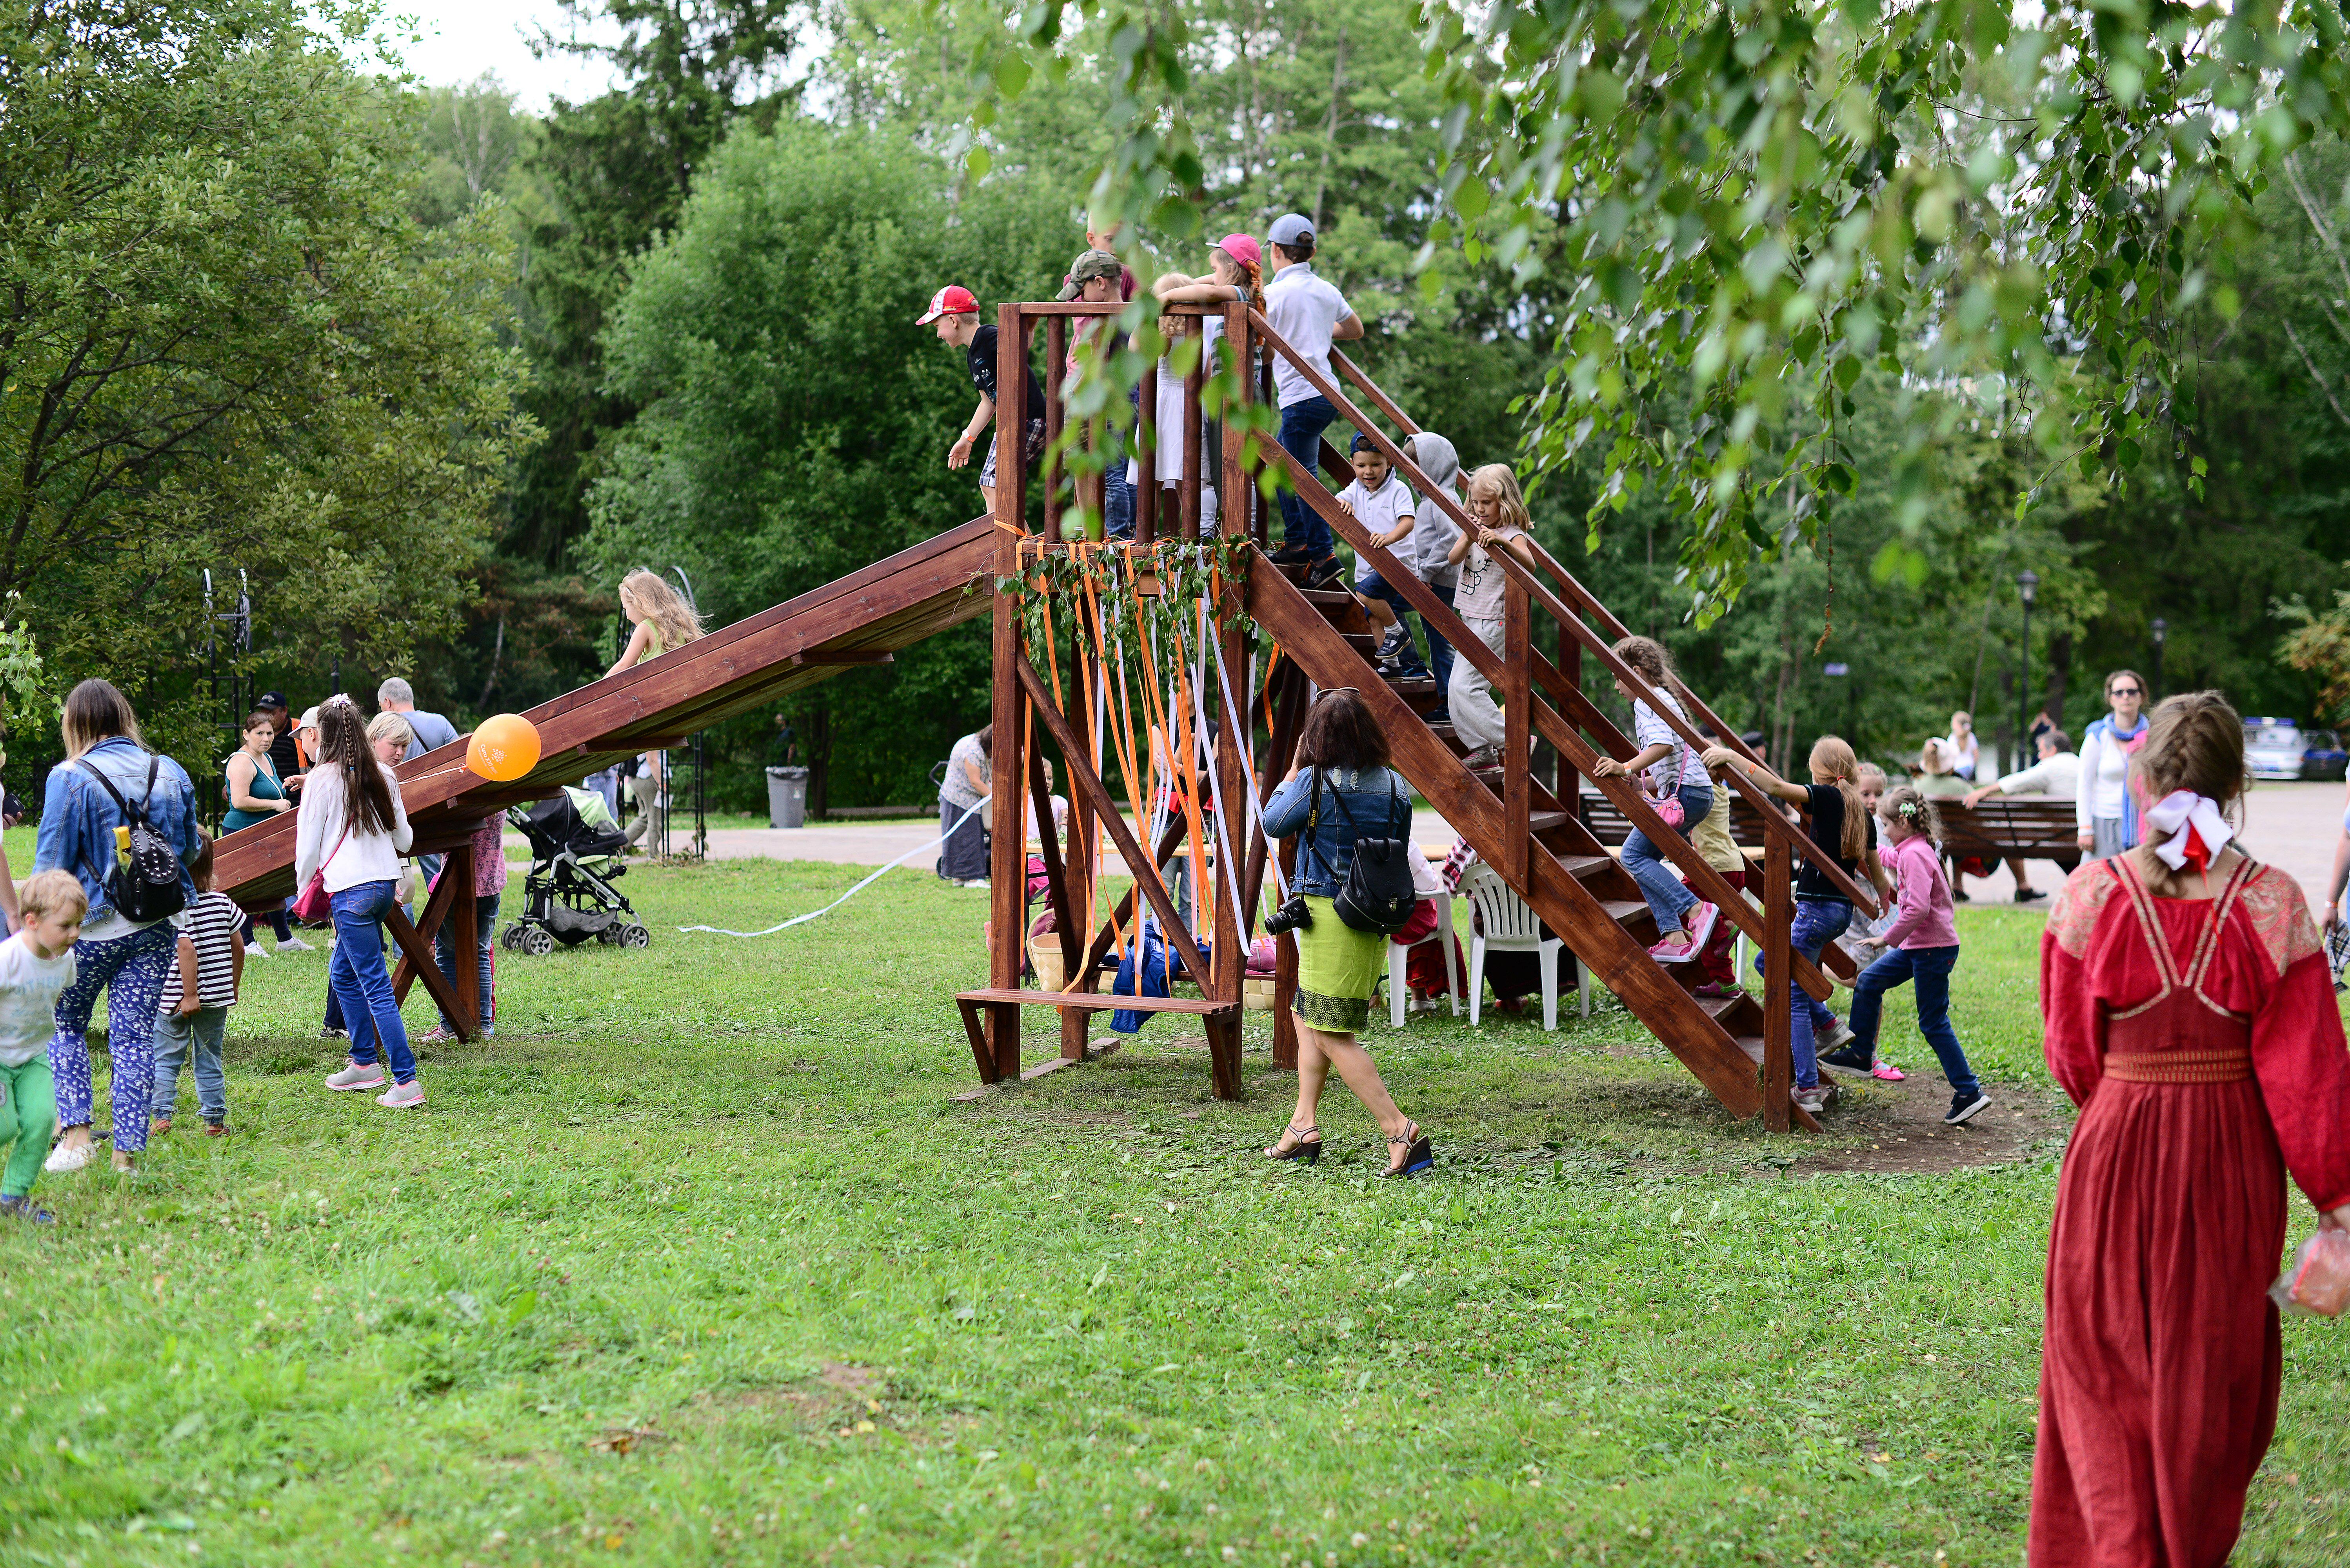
<point x="952" y="300"/>
<point x="1242" y="248"/>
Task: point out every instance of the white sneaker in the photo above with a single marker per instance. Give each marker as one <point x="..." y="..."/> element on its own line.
<point x="403" y="1096"/>
<point x="254" y="950"/>
<point x="977" y="883"/>
<point x="1814" y="1099"/>
<point x="69" y="1156"/>
<point x="355" y="1076"/>
<point x="294" y="945"/>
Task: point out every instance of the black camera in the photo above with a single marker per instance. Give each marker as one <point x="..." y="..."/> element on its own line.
<point x="1291" y="917"/>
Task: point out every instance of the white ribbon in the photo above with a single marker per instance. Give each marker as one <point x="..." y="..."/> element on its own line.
<point x="2177" y="813"/>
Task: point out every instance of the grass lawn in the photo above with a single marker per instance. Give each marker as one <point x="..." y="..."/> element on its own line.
<point x="698" y="1261"/>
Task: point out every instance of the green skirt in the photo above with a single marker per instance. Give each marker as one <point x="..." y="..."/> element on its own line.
<point x="1338" y="971"/>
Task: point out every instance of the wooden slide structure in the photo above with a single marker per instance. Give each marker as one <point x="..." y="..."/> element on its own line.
<point x="862" y="620"/>
<point x="1520" y="824"/>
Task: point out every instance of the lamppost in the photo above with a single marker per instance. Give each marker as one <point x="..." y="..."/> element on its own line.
<point x="2161" y="630"/>
<point x="2027" y="585"/>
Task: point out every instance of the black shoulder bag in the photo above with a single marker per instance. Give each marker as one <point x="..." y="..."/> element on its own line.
<point x="1377" y="893"/>
<point x="146" y="887"/>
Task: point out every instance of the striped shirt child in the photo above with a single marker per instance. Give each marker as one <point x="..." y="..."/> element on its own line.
<point x="215" y="925"/>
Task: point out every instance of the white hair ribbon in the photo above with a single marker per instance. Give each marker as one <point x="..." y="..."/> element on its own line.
<point x="2192" y="826"/>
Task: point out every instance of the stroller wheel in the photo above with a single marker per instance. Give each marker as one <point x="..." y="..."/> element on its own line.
<point x="536" y="942"/>
<point x="511" y="938"/>
<point x="609" y="936"/>
<point x="635" y="936"/>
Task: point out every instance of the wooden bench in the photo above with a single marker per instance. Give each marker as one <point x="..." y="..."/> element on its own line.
<point x="1222" y="1018"/>
<point x="2011" y="827"/>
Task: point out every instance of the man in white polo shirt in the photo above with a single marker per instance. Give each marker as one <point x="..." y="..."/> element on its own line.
<point x="1309" y="314"/>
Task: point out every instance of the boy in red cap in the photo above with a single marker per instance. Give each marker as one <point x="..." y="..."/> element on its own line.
<point x="956" y="314"/>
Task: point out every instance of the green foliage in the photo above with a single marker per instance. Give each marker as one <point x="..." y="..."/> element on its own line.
<point x="227" y="342"/>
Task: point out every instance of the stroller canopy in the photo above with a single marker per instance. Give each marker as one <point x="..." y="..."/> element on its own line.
<point x="577" y="820"/>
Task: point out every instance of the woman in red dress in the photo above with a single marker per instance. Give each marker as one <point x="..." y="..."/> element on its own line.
<point x="2191" y="1016"/>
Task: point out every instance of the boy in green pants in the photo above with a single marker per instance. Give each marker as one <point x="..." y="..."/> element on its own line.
<point x="35" y="965"/>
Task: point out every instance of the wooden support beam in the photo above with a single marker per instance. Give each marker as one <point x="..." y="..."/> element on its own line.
<point x="1056" y="887"/>
<point x="1123" y="914"/>
<point x="419" y="954"/>
<point x="465" y="915"/>
<point x="436" y="909"/>
<point x="1517" y="695"/>
<point x="843" y="659"/>
<point x="1778" y="998"/>
<point x="1007" y="860"/>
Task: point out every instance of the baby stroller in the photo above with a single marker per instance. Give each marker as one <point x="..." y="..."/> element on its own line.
<point x="575" y="858"/>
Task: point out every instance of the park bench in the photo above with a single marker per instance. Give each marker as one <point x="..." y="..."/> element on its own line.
<point x="2011" y="827"/>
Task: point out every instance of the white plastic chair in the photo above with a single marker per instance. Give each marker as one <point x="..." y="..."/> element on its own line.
<point x="1507" y="924"/>
<point x="1399" y="992"/>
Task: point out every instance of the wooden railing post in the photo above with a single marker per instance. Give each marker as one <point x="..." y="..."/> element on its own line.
<point x="1778" y="975"/>
<point x="1145" y="443"/>
<point x="1517" y="720"/>
<point x="1233" y="492"/>
<point x="1056" y="350"/>
<point x="1007" y="868"/>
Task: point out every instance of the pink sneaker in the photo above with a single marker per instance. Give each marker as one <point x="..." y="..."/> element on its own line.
<point x="355" y="1076"/>
<point x="1700" y="923"/>
<point x="1672" y="951"/>
<point x="1887" y="1071"/>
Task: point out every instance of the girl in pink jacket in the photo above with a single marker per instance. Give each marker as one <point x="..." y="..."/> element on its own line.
<point x="1920" y="945"/>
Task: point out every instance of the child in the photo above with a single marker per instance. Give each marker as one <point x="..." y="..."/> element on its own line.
<point x="1841" y="830"/>
<point x="1712" y="841"/>
<point x="1499" y="513"/>
<point x="36" y="964"/>
<point x="1309" y="314"/>
<point x="1432" y="537"/>
<point x="192" y="1010"/>
<point x="1922" y="944"/>
<point x="1684" y="921"/>
<point x="1167" y="444"/>
<point x="1235" y="277"/>
<point x="1383" y="504"/>
<point x="956" y="314"/>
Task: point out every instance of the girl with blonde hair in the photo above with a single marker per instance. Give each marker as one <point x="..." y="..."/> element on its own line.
<point x="664" y="622"/>
<point x="1497" y="514"/>
<point x="1677" y="781"/>
<point x="1919" y="944"/>
<point x="1841" y="830"/>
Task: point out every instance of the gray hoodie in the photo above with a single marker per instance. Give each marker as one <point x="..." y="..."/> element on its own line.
<point x="1432" y="534"/>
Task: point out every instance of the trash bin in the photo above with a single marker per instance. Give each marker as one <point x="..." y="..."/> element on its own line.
<point x="788" y="797"/>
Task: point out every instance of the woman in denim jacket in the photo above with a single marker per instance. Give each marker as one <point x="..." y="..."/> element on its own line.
<point x="129" y="961"/>
<point x="1338" y="967"/>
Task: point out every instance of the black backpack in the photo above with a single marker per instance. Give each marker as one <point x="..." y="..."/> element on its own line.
<point x="1377" y="893"/>
<point x="147" y="888"/>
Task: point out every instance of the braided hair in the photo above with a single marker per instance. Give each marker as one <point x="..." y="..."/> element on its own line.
<point x="1913" y="811"/>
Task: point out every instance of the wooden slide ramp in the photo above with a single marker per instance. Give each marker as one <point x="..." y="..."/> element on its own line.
<point x="860" y="621"/>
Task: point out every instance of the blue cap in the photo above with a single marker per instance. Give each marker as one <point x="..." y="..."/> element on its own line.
<point x="1362" y="442"/>
<point x="1293" y="229"/>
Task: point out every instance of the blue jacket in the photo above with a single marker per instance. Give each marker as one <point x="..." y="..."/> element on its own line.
<point x="1323" y="860"/>
<point x="78" y="817"/>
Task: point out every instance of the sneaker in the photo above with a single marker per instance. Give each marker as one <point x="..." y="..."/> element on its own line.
<point x="294" y="945"/>
<point x="65" y="1157"/>
<point x="1481" y="759"/>
<point x="1964" y="1108"/>
<point x="1814" y="1099"/>
<point x="1887" y="1072"/>
<point x="1291" y="556"/>
<point x="1839" y="1035"/>
<point x="334" y="1033"/>
<point x="22" y="1209"/>
<point x="2029" y="895"/>
<point x="1699" y="923"/>
<point x="254" y="950"/>
<point x="216" y="1129"/>
<point x="1324" y="573"/>
<point x="1716" y="991"/>
<point x="978" y="882"/>
<point x="439" y="1034"/>
<point x="1853" y="1061"/>
<point x="1672" y="950"/>
<point x="1392" y="645"/>
<point x="356" y="1076"/>
<point x="403" y="1096"/>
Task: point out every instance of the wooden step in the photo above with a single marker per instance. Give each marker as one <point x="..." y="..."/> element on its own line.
<point x="1413" y="690"/>
<point x="1096" y="1002"/>
<point x="1583" y="868"/>
<point x="1445" y="733"/>
<point x="1541" y="821"/>
<point x="1325" y="599"/>
<point x="1363" y="642"/>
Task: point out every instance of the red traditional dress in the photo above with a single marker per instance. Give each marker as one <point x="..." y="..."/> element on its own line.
<point x="2201" y="1041"/>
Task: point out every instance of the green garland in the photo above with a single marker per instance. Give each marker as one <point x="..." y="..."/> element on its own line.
<point x="1143" y="628"/>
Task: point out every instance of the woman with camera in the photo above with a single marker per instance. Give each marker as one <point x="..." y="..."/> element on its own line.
<point x="1340" y="790"/>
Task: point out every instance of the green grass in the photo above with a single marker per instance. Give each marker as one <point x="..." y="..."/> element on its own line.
<point x="697" y="1263"/>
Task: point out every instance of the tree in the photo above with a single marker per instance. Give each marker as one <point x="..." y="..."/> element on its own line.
<point x="224" y="340"/>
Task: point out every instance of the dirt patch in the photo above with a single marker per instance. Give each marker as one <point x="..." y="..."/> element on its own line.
<point x="1901" y="1126"/>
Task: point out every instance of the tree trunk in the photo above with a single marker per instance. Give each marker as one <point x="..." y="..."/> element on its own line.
<point x="2060" y="672"/>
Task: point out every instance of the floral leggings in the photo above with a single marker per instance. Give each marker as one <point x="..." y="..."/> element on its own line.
<point x="130" y="969"/>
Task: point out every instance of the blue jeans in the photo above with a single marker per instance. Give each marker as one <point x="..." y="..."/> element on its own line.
<point x="360" y="981"/>
<point x="444" y="951"/>
<point x="1375" y="587"/>
<point x="1818" y="922"/>
<point x="190" y="1040"/>
<point x="130" y="968"/>
<point x="1302" y="425"/>
<point x="1118" y="495"/>
<point x="1660" y="883"/>
<point x="1930" y="968"/>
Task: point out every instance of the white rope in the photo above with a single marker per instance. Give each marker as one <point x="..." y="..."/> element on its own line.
<point x="803" y="920"/>
<point x="1248" y="770"/>
<point x="1225" y="854"/>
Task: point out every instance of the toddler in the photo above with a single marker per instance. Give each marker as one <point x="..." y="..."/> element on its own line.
<point x="1921" y="945"/>
<point x="36" y="964"/>
<point x="192" y="1009"/>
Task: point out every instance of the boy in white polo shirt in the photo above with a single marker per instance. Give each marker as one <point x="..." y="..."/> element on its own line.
<point x="1386" y="506"/>
<point x="1309" y="314"/>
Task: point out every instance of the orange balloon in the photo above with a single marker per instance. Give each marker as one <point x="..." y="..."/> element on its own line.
<point x="503" y="748"/>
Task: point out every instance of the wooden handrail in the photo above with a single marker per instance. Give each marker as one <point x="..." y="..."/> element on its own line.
<point x="1775" y="820"/>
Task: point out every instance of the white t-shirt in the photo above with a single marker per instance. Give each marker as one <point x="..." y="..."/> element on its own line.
<point x="348" y="859"/>
<point x="1379" y="511"/>
<point x="1483" y="591"/>
<point x="1303" y="310"/>
<point x="955" y="790"/>
<point x="29" y="988"/>
<point x="1649" y="729"/>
